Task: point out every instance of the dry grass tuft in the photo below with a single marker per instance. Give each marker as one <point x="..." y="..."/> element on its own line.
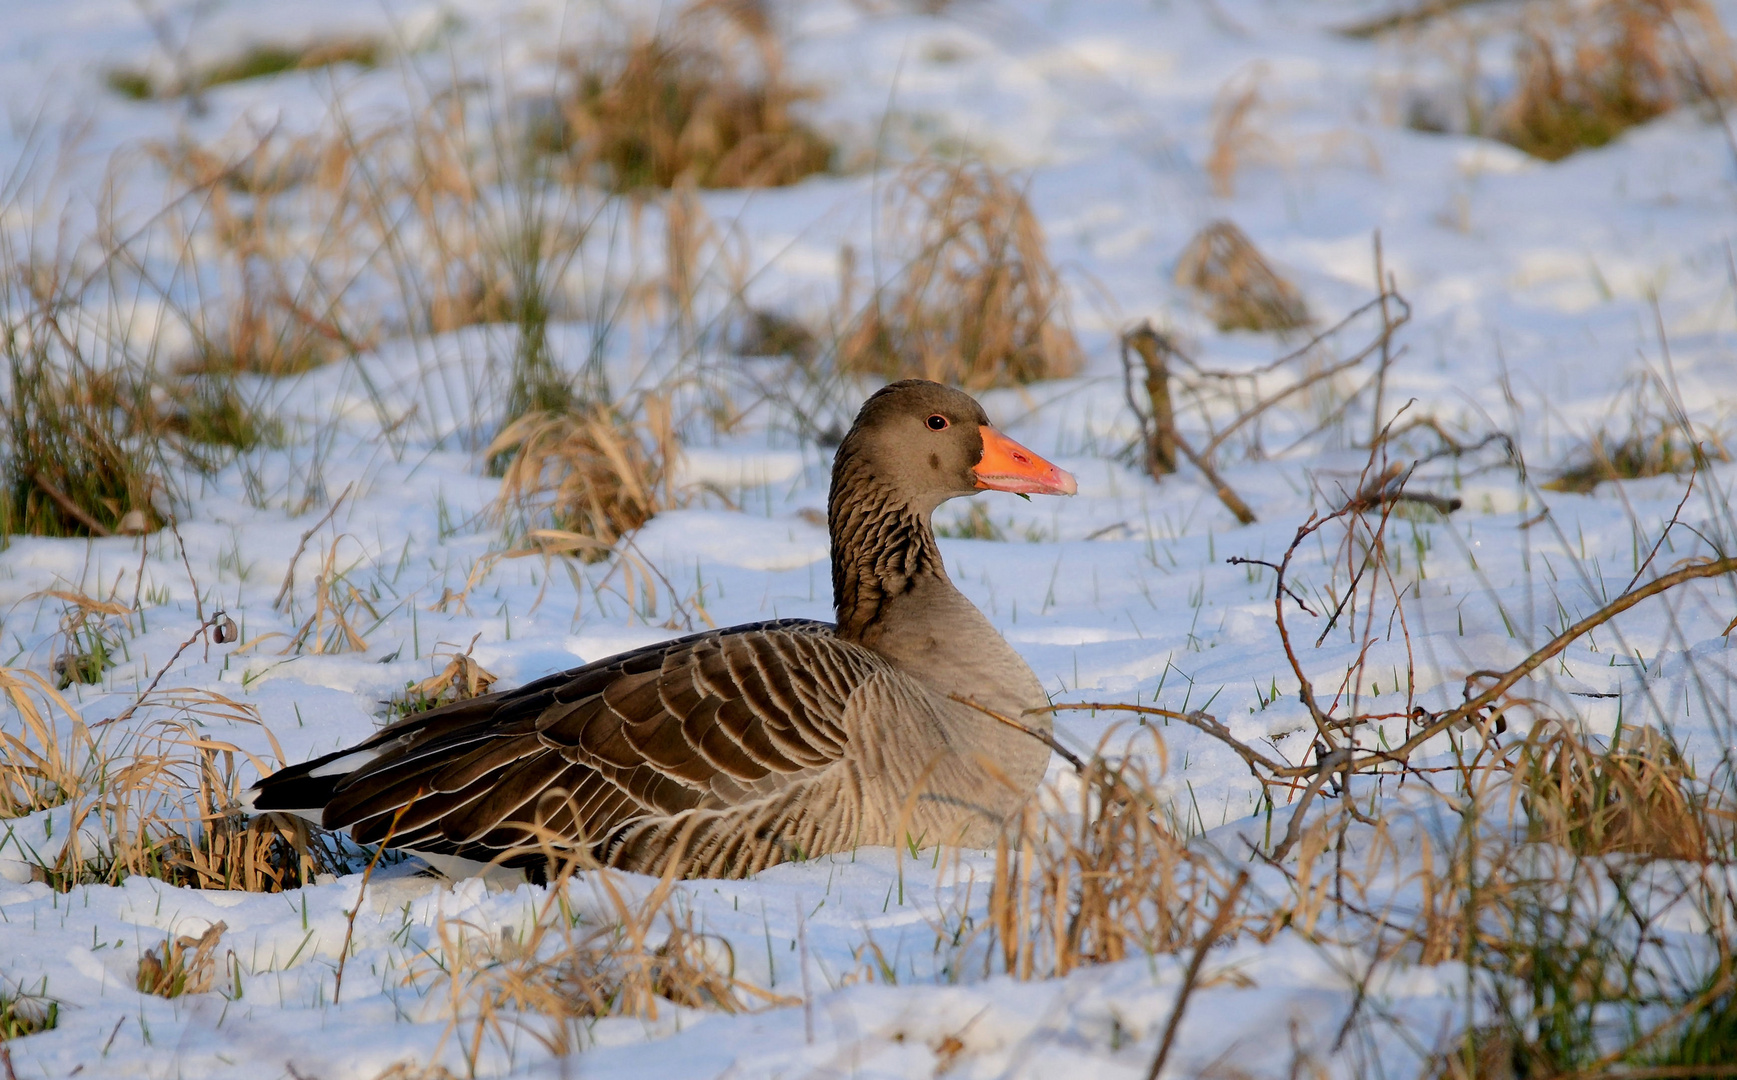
<point x="285" y="227"/>
<point x="212" y="846"/>
<point x="1636" y="796"/>
<point x="704" y="101"/>
<point x="589" y="470"/>
<point x="84" y="454"/>
<point x="569" y="968"/>
<point x="88" y="638"/>
<point x="1234" y="138"/>
<point x="1613" y="78"/>
<point x="462" y="679"/>
<point x="40" y="765"/>
<point x="181" y="965"/>
<point x="976" y="302"/>
<point x="159" y="802"/>
<point x="1242" y="291"/>
<point x="338" y="606"/>
<point x="1639" y="454"/>
<point x="1592" y="74"/>
<point x="1101" y="884"/>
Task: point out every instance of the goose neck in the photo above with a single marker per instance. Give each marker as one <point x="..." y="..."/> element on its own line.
<point x="883" y="550"/>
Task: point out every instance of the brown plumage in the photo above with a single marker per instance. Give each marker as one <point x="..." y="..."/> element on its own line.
<point x="735" y="749"/>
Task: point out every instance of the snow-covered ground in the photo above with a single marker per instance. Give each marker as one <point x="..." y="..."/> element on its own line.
<point x="1543" y="297"/>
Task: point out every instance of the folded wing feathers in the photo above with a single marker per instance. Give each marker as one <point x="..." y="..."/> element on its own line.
<point x="580" y="756"/>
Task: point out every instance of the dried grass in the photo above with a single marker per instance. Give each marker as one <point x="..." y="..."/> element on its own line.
<point x="1585" y="76"/>
<point x="568" y="968"/>
<point x="703" y="101"/>
<point x="976" y="302"/>
<point x="41" y="766"/>
<point x="589" y="470"/>
<point x="460" y="680"/>
<point x="286" y="224"/>
<point x="83" y="441"/>
<point x="1103" y="883"/>
<point x="1241" y="290"/>
<point x="160" y="801"/>
<point x="84" y="651"/>
<point x="1641" y="453"/>
<point x="1636" y="796"/>
<point x="1234" y="138"/>
<point x="181" y="965"/>
<point x="338" y="604"/>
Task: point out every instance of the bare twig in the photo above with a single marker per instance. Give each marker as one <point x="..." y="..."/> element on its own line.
<point x="289" y="578"/>
<point x="198" y="632"/>
<point x="1344" y="762"/>
<point x="1506" y="680"/>
<point x="1676" y="515"/>
<point x="1041" y="736"/>
<point x="1228" y="497"/>
<point x="1160" y="429"/>
<point x="1255" y="410"/>
<point x="1201" y="720"/>
<point x="181" y="545"/>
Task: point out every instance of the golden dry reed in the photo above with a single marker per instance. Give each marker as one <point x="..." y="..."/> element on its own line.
<point x="589" y="470"/>
<point x="975" y="301"/>
<point x="1240" y="288"/>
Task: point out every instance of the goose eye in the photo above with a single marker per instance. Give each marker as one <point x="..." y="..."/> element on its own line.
<point x="937" y="422"/>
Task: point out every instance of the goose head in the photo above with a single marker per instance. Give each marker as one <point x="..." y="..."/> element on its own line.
<point x="924" y="443"/>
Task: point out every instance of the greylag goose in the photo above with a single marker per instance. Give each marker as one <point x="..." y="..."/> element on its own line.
<point x="731" y="750"/>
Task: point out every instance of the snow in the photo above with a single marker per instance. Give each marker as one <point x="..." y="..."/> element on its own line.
<point x="1540" y="294"/>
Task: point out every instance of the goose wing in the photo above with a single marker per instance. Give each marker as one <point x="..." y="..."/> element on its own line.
<point x="569" y="760"/>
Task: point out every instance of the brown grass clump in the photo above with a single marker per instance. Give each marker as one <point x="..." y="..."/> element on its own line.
<point x="1242" y="291"/>
<point x="287" y="223"/>
<point x="214" y="847"/>
<point x="462" y="679"/>
<point x="1634" y="456"/>
<point x="1586" y="80"/>
<point x="1233" y="135"/>
<point x="1613" y="78"/>
<point x="88" y="638"/>
<point x="589" y="470"/>
<point x="976" y="302"/>
<point x="163" y="798"/>
<point x="1635" y="796"/>
<point x="181" y="965"/>
<point x="568" y="968"/>
<point x="1101" y="884"/>
<point x="703" y="101"/>
<point x="84" y="451"/>
<point x="40" y="767"/>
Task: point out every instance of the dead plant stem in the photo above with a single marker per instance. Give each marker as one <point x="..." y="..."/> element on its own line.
<point x="362" y="893"/>
<point x="289" y="577"/>
<point x="1225" y="909"/>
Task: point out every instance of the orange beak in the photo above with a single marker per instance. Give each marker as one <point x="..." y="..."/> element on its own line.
<point x="1008" y="466"/>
